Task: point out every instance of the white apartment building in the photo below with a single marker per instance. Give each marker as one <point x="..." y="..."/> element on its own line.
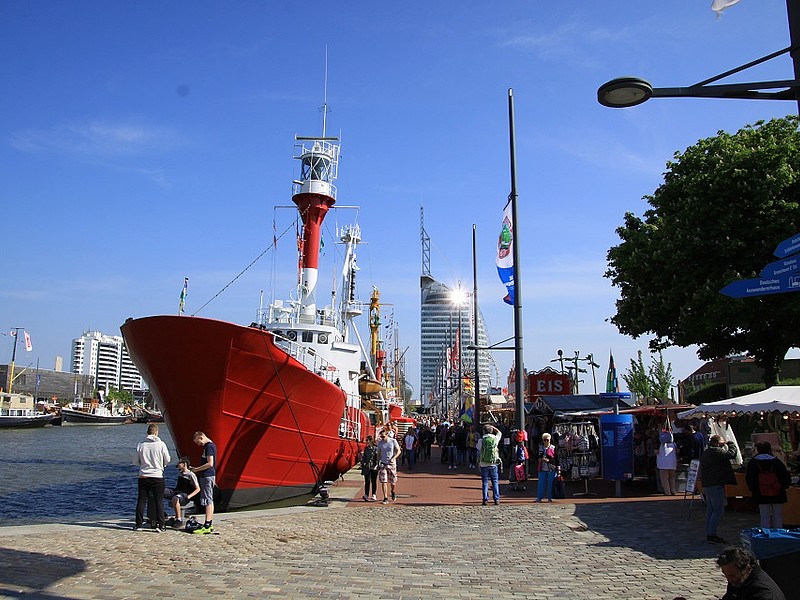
<point x="105" y="358"/>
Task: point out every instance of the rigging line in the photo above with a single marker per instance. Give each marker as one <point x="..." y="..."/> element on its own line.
<point x="242" y="272"/>
<point x="315" y="469"/>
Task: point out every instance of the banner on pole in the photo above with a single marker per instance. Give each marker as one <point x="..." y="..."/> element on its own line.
<point x="505" y="254"/>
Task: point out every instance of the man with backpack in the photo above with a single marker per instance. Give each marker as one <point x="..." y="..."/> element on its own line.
<point x="489" y="457"/>
<point x="768" y="480"/>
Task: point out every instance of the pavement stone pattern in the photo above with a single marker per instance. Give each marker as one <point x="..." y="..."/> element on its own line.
<point x="417" y="547"/>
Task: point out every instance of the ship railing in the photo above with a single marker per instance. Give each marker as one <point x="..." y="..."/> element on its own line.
<point x="288" y="317"/>
<point x="350" y="428"/>
<point x="309" y="359"/>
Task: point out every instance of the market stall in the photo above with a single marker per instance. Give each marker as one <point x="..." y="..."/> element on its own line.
<point x="770" y="415"/>
<point x="578" y="430"/>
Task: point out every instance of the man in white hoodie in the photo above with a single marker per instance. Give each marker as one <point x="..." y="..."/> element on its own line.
<point x="152" y="456"/>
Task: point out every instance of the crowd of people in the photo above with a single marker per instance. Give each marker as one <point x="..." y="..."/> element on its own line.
<point x="465" y="446"/>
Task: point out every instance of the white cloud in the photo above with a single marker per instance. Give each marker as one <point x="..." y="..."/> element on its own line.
<point x="96" y="138"/>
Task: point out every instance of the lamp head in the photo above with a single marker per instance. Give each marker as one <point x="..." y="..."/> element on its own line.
<point x="624" y="92"/>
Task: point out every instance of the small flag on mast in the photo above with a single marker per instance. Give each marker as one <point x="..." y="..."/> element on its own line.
<point x="28" y="346"/>
<point x="184" y="291"/>
<point x="505" y="254"/>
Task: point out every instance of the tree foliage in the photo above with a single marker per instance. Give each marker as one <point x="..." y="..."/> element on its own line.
<point x="660" y="377"/>
<point x="724" y="205"/>
<point x="654" y="382"/>
<point x="637" y="380"/>
<point x="119" y="397"/>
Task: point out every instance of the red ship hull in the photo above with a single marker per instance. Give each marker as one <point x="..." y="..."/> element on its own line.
<point x="275" y="423"/>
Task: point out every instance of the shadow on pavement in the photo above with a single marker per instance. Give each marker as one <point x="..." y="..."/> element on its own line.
<point x="26" y="574"/>
<point x="663" y="530"/>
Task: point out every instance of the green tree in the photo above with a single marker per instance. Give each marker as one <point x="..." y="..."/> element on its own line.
<point x="637" y="379"/>
<point x="724" y="205"/>
<point x="120" y="397"/>
<point x="660" y="377"/>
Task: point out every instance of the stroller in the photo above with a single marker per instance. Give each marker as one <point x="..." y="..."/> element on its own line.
<point x="518" y="470"/>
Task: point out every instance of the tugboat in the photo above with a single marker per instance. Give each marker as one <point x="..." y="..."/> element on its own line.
<point x="92" y="412"/>
<point x="280" y="397"/>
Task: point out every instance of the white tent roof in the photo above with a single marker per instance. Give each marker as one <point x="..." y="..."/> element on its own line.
<point x="781" y="398"/>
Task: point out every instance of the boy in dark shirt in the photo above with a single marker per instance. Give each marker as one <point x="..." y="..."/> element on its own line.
<point x="185" y="489"/>
<point x="206" y="475"/>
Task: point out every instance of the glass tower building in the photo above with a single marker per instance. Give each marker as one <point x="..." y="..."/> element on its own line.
<point x="440" y="318"/>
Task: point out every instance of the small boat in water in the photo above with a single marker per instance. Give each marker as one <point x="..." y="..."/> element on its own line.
<point x="94" y="414"/>
<point x="17" y="412"/>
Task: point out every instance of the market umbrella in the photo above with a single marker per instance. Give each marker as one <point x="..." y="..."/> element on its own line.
<point x="780" y="398"/>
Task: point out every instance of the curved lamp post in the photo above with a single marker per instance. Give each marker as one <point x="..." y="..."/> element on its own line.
<point x="624" y="92"/>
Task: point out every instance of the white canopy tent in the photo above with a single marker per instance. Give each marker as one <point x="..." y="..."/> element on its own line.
<point x="781" y="398"/>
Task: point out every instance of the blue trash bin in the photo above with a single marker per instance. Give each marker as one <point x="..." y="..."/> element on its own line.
<point x="768" y="543"/>
<point x="778" y="552"/>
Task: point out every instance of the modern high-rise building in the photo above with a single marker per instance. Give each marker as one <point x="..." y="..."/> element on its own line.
<point x="105" y="358"/>
<point x="440" y="320"/>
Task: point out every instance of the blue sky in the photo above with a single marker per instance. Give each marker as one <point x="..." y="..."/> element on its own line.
<point x="144" y="142"/>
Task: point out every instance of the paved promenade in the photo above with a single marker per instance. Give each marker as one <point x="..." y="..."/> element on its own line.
<point x="435" y="541"/>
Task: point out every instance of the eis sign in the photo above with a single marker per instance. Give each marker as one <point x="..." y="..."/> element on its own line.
<point x="548" y="382"/>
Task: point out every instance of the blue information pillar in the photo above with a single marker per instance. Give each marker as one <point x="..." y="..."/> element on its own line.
<point x="617" y="434"/>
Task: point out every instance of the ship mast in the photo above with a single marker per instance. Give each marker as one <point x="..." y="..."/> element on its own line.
<point x="313" y="194"/>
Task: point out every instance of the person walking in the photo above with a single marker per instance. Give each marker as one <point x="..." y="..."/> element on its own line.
<point x="489" y="457"/>
<point x="426" y="437"/>
<point x="746" y="579"/>
<point x="461" y="444"/>
<point x="152" y="456"/>
<point x="472" y="447"/>
<point x="548" y="469"/>
<point x="369" y="469"/>
<point x="388" y="451"/>
<point x="207" y="477"/>
<point x="411" y="442"/>
<point x="768" y="479"/>
<point x="715" y="473"/>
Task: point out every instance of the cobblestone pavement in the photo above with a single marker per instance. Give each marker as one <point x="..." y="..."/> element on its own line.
<point x="646" y="549"/>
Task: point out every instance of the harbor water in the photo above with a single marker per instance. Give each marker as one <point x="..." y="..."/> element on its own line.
<point x="72" y="473"/>
<point x="77" y="473"/>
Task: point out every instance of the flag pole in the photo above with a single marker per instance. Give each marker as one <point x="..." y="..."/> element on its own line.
<point x="15" y="335"/>
<point x="518" y="362"/>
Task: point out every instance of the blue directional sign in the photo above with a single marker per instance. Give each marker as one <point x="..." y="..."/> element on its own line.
<point x="745" y="288"/>
<point x="788" y="246"/>
<point x="781" y="267"/>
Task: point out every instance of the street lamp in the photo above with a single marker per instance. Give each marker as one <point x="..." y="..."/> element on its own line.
<point x="496" y="346"/>
<point x="624" y="92"/>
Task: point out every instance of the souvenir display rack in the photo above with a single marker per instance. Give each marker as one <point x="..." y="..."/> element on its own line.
<point x="579" y="452"/>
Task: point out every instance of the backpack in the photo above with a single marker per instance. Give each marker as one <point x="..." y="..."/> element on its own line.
<point x="191" y="525"/>
<point x="768" y="483"/>
<point x="489" y="449"/>
<point x="521" y="454"/>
